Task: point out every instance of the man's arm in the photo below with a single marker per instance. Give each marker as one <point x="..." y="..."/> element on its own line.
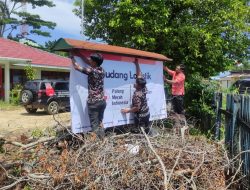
<point x="135" y="108"/>
<point x="169" y="71"/>
<point x="138" y="70"/>
<point x="84" y="70"/>
<point x="177" y="80"/>
<point x="130" y="110"/>
<point x="169" y="81"/>
<point x="77" y="53"/>
<point x="85" y="59"/>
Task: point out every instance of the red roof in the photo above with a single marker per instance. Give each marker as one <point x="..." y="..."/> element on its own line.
<point x="13" y="49"/>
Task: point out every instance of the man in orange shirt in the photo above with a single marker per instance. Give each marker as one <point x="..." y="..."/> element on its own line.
<point x="177" y="82"/>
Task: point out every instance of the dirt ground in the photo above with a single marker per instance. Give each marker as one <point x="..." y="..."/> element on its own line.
<point x="18" y="121"/>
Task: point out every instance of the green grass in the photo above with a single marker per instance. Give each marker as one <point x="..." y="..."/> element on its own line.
<point x="8" y="106"/>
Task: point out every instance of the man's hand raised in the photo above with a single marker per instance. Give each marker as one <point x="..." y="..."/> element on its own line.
<point x="136" y="61"/>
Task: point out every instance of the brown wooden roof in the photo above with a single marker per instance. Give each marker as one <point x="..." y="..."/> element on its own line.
<point x="67" y="44"/>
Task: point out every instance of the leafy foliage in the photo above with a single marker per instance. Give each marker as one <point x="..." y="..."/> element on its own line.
<point x="201" y="91"/>
<point x="36" y="133"/>
<point x="30" y="72"/>
<point x="12" y="17"/>
<point x="206" y="35"/>
<point x="199" y="99"/>
<point x="49" y="44"/>
<point x="15" y="94"/>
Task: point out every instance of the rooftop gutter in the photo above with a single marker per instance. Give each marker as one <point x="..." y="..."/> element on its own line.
<point x="14" y="60"/>
<point x="43" y="66"/>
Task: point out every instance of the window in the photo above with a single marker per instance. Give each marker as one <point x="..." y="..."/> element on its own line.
<point x="43" y="87"/>
<point x="62" y="86"/>
<point x="32" y="85"/>
<point x="243" y="86"/>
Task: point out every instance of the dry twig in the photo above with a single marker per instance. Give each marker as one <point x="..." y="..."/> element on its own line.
<point x="127" y="161"/>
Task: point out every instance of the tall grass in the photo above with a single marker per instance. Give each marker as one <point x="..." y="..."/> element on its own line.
<point x="8" y="106"/>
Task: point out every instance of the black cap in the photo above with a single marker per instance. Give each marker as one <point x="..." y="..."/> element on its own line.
<point x="97" y="57"/>
<point x="182" y="67"/>
<point x="141" y="81"/>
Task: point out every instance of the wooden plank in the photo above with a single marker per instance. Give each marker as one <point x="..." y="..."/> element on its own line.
<point x="225" y="112"/>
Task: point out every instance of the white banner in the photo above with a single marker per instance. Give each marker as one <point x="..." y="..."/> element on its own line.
<point x="118" y="84"/>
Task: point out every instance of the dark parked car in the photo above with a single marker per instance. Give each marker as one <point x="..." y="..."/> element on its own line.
<point x="243" y="85"/>
<point x="51" y="95"/>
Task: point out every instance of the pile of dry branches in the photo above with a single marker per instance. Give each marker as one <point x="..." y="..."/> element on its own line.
<point x="127" y="161"/>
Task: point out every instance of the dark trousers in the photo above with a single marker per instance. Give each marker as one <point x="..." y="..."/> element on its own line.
<point x="178" y="104"/>
<point x="96" y="112"/>
<point x="142" y="122"/>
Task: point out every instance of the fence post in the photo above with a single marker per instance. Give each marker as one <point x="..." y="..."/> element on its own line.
<point x="234" y="143"/>
<point x="218" y="102"/>
<point x="245" y="140"/>
<point x="237" y="133"/>
<point x="228" y="120"/>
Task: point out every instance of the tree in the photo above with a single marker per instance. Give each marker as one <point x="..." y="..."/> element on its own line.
<point x="50" y="44"/>
<point x="13" y="16"/>
<point x="205" y="35"/>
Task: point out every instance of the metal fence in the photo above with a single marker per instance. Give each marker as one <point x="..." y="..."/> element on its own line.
<point x="237" y="129"/>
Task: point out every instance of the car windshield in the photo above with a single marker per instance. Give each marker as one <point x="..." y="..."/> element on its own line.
<point x="62" y="86"/>
<point x="32" y="85"/>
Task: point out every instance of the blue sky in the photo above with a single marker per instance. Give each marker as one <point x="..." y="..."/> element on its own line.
<point x="68" y="25"/>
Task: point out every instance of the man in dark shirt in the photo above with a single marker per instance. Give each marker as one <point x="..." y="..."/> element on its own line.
<point x="96" y="102"/>
<point x="139" y="102"/>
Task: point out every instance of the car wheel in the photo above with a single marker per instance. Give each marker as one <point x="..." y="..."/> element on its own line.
<point x="52" y="108"/>
<point x="26" y="97"/>
<point x="31" y="110"/>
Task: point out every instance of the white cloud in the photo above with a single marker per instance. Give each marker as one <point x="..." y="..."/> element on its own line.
<point x="62" y="15"/>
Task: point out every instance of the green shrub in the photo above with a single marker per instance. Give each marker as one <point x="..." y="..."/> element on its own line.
<point x="15" y="94"/>
<point x="199" y="100"/>
<point x="30" y="72"/>
<point x="37" y="133"/>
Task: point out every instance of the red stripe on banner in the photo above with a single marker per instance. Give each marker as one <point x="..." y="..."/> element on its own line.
<point x="147" y="61"/>
<point x="114" y="57"/>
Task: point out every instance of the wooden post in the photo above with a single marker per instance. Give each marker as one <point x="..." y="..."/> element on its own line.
<point x="218" y="102"/>
<point x="7" y="82"/>
<point x="234" y="144"/>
